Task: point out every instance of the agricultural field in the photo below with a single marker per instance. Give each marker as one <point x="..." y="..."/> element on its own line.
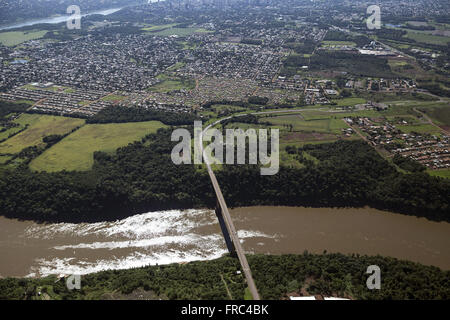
<point x="75" y="152"/>
<point x="39" y="126"/>
<point x="13" y="38"/>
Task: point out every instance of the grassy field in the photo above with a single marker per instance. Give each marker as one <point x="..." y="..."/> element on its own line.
<point x="14" y="38"/>
<point x="75" y="152"/>
<point x="3" y="159"/>
<point x="176" y="66"/>
<point x="5" y="134"/>
<point x="327" y="43"/>
<point x="39" y="127"/>
<point x="444" y="173"/>
<point x="181" y="32"/>
<point x="172" y="84"/>
<point x="421" y="128"/>
<point x="113" y="98"/>
<point x="349" y="101"/>
<point x="427" y="38"/>
<point x="440" y="115"/>
<point x="159" y="27"/>
<point x="323" y="125"/>
<point x="298" y="124"/>
<point x="53" y="88"/>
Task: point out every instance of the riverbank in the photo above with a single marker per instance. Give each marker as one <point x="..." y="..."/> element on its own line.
<point x="277" y="277"/>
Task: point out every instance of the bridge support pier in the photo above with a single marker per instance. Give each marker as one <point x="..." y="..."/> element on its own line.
<point x="226" y="234"/>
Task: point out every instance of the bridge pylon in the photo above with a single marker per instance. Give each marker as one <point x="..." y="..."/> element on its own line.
<point x="225" y="231"/>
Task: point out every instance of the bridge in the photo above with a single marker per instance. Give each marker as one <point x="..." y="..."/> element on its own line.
<point x="222" y="212"/>
<point x="226" y="223"/>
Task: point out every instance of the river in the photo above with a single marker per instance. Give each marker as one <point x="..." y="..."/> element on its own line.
<point x="35" y="250"/>
<point x="55" y="20"/>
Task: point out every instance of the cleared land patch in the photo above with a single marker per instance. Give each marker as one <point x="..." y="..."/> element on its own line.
<point x="14" y="38"/>
<point x="349" y="101"/>
<point x="39" y="126"/>
<point x="181" y="32"/>
<point x="421" y="128"/>
<point x="428" y="38"/>
<point x="440" y="115"/>
<point x="113" y="98"/>
<point x="172" y="85"/>
<point x="330" y="43"/>
<point x="75" y="152"/>
<point x="324" y="125"/>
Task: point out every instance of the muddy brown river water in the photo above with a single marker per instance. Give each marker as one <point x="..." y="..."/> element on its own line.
<point x="30" y="249"/>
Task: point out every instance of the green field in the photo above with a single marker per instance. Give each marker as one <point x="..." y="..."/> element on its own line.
<point x="298" y="124"/>
<point x="328" y="43"/>
<point x="113" y="98"/>
<point x="5" y="134"/>
<point x="421" y="128"/>
<point x="14" y="38"/>
<point x="159" y="27"/>
<point x="428" y="38"/>
<point x="53" y="88"/>
<point x="181" y="32"/>
<point x="348" y="101"/>
<point x="176" y="66"/>
<point x="440" y="115"/>
<point x="444" y="173"/>
<point x="172" y="85"/>
<point x="39" y="127"/>
<point x="3" y="159"/>
<point x="75" y="152"/>
<point x="325" y="125"/>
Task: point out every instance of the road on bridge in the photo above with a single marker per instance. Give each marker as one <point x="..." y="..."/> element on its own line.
<point x="228" y="222"/>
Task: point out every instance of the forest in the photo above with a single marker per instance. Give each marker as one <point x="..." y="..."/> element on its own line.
<point x="276" y="277"/>
<point x="9" y="107"/>
<point x="119" y="114"/>
<point x="354" y="63"/>
<point x="141" y="178"/>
